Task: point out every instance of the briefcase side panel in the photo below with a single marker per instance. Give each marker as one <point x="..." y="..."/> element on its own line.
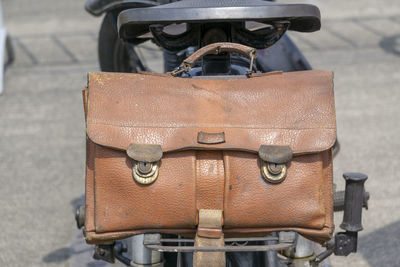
<point x="301" y="200"/>
<point x="251" y="204"/>
<point x="123" y="204"/>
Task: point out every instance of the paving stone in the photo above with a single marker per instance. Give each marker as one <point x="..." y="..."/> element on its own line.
<point x="326" y="40"/>
<point x="46" y="50"/>
<point x="83" y="46"/>
<point x="357" y="35"/>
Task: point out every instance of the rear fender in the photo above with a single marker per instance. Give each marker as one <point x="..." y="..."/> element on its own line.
<point x="98" y="7"/>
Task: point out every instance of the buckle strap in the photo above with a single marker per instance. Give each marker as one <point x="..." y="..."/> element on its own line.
<point x="210" y="223"/>
<point x="209" y="233"/>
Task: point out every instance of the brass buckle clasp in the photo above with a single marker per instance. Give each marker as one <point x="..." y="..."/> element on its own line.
<point x="273" y="162"/>
<point x="146" y="162"/>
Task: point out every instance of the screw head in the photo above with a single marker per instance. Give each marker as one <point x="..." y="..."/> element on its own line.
<point x="102" y="252"/>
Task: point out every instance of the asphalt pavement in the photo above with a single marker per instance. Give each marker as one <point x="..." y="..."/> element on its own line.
<point x="42" y="132"/>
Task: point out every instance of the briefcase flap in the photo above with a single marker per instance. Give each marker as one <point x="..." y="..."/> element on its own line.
<point x="284" y="109"/>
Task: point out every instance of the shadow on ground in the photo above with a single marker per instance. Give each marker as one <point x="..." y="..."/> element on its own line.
<point x="391" y="44"/>
<point x="65" y="253"/>
<point x="79" y="253"/>
<point x="376" y="246"/>
<point x="59" y="255"/>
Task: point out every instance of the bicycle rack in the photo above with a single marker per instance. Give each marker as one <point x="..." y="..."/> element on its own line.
<point x="110" y="252"/>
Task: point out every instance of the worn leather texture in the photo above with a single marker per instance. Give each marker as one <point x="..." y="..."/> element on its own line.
<point x="282" y="109"/>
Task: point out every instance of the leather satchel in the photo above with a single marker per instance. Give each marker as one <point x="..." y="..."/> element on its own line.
<point x="209" y="156"/>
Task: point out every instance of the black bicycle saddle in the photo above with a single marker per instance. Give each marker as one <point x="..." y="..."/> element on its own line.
<point x="98" y="7"/>
<point x="297" y="17"/>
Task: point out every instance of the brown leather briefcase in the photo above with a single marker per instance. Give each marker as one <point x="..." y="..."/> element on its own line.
<point x="239" y="156"/>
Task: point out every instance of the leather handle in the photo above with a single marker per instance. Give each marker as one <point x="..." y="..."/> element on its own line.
<point x="218" y="48"/>
<point x="215" y="49"/>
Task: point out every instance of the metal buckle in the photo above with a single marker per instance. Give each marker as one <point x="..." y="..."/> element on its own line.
<point x="145" y="172"/>
<point x="183" y="68"/>
<point x="146" y="162"/>
<point x="272" y="172"/>
<point x="253" y="55"/>
<point x="273" y="162"/>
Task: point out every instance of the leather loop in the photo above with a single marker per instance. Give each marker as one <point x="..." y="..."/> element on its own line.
<point x="210" y="223"/>
<point x="210" y="138"/>
<point x="209" y="233"/>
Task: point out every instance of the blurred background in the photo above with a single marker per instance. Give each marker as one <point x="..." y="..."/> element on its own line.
<point x="42" y="131"/>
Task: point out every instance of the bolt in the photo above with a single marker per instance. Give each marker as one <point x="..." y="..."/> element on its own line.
<point x="102" y="252"/>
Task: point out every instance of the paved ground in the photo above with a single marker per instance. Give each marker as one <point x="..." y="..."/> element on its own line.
<point x="42" y="129"/>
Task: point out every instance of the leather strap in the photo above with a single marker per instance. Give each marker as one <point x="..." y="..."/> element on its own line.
<point x="210" y="180"/>
<point x="209" y="221"/>
<point x="210" y="224"/>
<point x="210" y="186"/>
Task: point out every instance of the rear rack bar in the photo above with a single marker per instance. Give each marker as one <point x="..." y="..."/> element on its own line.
<point x="154" y="242"/>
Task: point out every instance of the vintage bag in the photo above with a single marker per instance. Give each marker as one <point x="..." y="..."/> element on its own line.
<point x="255" y="154"/>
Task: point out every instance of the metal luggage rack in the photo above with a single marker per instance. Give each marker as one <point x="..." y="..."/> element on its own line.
<point x="156" y="242"/>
